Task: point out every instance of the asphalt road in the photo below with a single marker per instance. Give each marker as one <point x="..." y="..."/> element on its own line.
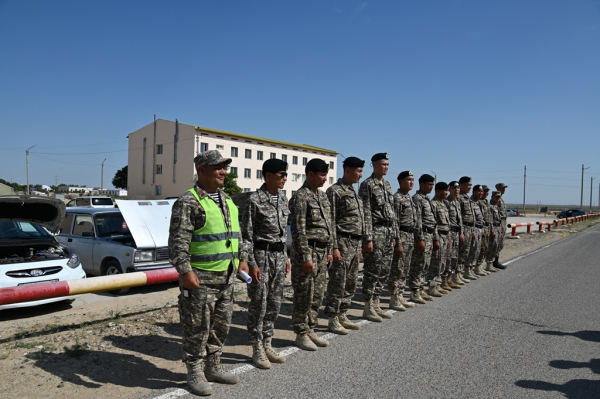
<point x="531" y="331"/>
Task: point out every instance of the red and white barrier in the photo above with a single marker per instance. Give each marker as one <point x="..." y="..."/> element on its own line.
<point x="542" y="224"/>
<point x="515" y="225"/>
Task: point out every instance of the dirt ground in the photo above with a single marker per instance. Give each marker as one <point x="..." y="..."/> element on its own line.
<point x="127" y="346"/>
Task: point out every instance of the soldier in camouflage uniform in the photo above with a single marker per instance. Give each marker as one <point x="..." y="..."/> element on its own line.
<point x="484" y="205"/>
<point x="348" y="221"/>
<point x="206" y="298"/>
<point x="380" y="233"/>
<point x="456" y="235"/>
<point x="264" y="239"/>
<point x="468" y="220"/>
<point x="439" y="268"/>
<point x="495" y="234"/>
<point x="479" y="233"/>
<point x="502" y="209"/>
<point x="312" y="249"/>
<point x="426" y="241"/>
<point x="408" y="225"/>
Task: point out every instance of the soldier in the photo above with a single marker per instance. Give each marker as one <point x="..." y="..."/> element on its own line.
<point x="439" y="268"/>
<point x="203" y="247"/>
<point x="484" y="205"/>
<point x="408" y="224"/>
<point x="426" y="240"/>
<point x="264" y="238"/>
<point x="380" y="233"/>
<point x="468" y="220"/>
<point x="311" y="253"/>
<point x="497" y="227"/>
<point x="502" y="208"/>
<point x="456" y="235"/>
<point x="348" y="221"/>
<point x="479" y="233"/>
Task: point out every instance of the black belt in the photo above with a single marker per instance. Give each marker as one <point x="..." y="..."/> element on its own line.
<point x="479" y="226"/>
<point x="318" y="244"/>
<point x="455" y="229"/>
<point x="269" y="246"/>
<point x="486" y="224"/>
<point x="444" y="233"/>
<point x="469" y="224"/>
<point x="407" y="229"/>
<point x="385" y="224"/>
<point x="353" y="236"/>
<point x="496" y="224"/>
<point x="428" y="230"/>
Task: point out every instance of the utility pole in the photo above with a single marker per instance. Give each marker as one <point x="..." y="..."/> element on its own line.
<point x="27" y="163"/>
<point x="102" y="177"/>
<point x="524" y="186"/>
<point x="581" y="201"/>
<point x="591" y="191"/>
<point x="434" y="176"/>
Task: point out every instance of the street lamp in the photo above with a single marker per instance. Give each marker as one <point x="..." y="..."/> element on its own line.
<point x="27" y="165"/>
<point x="102" y="177"/>
<point x="581" y="202"/>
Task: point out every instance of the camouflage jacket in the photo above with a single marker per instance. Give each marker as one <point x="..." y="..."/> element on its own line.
<point x="440" y="210"/>
<point x="484" y="205"/>
<point x="263" y="221"/>
<point x="346" y="210"/>
<point x="477" y="212"/>
<point x="425" y="215"/>
<point x="495" y="211"/>
<point x="466" y="209"/>
<point x="502" y="209"/>
<point x="378" y="205"/>
<point x="187" y="215"/>
<point x="310" y="219"/>
<point x="454" y="214"/>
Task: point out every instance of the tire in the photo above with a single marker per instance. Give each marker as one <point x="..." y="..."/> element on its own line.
<point x="110" y="269"/>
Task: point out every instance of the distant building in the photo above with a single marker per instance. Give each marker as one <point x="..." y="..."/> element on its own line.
<point x="160" y="164"/>
<point x="119" y="192"/>
<point x="70" y="189"/>
<point x="6" y="190"/>
<point x="42" y="187"/>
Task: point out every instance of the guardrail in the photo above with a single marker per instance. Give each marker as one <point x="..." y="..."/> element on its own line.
<point x="556" y="223"/>
<point x="542" y="224"/>
<point x="515" y="225"/>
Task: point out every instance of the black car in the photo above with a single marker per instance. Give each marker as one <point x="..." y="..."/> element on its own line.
<point x="570" y="213"/>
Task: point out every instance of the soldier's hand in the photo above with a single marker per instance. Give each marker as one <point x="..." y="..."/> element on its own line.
<point x="368" y="247"/>
<point x="436" y="245"/>
<point x="473" y="235"/>
<point x="243" y="266"/>
<point x="330" y="260"/>
<point x="337" y="256"/>
<point x="421" y="246"/>
<point x="448" y="243"/>
<point x="399" y="250"/>
<point x="308" y="267"/>
<point x="190" y="281"/>
<point x="493" y="235"/>
<point x="462" y="237"/>
<point x="288" y="267"/>
<point x="255" y="274"/>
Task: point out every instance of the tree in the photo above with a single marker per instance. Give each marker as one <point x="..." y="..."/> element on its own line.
<point x="120" y="179"/>
<point x="230" y="187"/>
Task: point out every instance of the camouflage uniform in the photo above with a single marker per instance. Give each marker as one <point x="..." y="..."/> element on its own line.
<point x="476" y="243"/>
<point x="205" y="312"/>
<point x="497" y="227"/>
<point x="484" y="205"/>
<point x="438" y="257"/>
<point x="468" y="220"/>
<point x="455" y="218"/>
<point x="264" y="239"/>
<point x="381" y="229"/>
<point x="503" y="216"/>
<point x="419" y="264"/>
<point x="408" y="224"/>
<point x="347" y="217"/>
<point x="313" y="240"/>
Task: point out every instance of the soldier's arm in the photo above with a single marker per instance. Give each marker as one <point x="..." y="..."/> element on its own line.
<point x="333" y="197"/>
<point x="328" y="217"/>
<point x="397" y="213"/>
<point x="247" y="247"/>
<point x="184" y="218"/>
<point x="434" y="208"/>
<point x="365" y="194"/>
<point x="419" y="210"/>
<point x="298" y="226"/>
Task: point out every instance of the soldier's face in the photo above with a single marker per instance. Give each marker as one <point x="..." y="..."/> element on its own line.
<point x="214" y="174"/>
<point x="381" y="167"/>
<point x="465" y="187"/>
<point x="502" y="190"/>
<point x="426" y="187"/>
<point x="407" y="184"/>
<point x="454" y="191"/>
<point x="276" y="179"/>
<point x="354" y="175"/>
<point x="441" y="194"/>
<point x="485" y="194"/>
<point x="317" y="178"/>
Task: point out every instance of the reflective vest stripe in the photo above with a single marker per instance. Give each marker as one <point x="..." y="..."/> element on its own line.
<point x="215" y="237"/>
<point x="209" y="258"/>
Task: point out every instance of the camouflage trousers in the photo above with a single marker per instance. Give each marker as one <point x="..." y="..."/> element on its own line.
<point x="205" y="314"/>
<point x="265" y="296"/>
<point x="452" y="254"/>
<point x="494" y="247"/>
<point x="419" y="263"/>
<point x="502" y="235"/>
<point x="377" y="263"/>
<point x="308" y="290"/>
<point x="342" y="277"/>
<point x="485" y="244"/>
<point x="401" y="264"/>
<point x="475" y="247"/>
<point x="438" y="265"/>
<point x="465" y="247"/>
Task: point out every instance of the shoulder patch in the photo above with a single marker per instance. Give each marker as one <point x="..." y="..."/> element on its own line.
<point x="175" y="222"/>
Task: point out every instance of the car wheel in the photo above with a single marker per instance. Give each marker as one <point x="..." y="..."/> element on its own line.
<point x="112" y="268"/>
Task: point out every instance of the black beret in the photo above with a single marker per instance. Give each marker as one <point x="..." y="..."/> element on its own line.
<point x="426" y="178"/>
<point x="404" y="174"/>
<point x="464" y="179"/>
<point x="441" y="186"/>
<point x="477" y="187"/>
<point x="354" y="162"/>
<point x="380" y="156"/>
<point x="453" y="183"/>
<point x="317" y="165"/>
<point x="274" y="165"/>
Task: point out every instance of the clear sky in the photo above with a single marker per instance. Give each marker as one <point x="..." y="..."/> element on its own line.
<point x="479" y="88"/>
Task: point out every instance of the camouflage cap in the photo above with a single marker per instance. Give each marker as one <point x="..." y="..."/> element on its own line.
<point x="485" y="188"/>
<point x="212" y="157"/>
<point x="501" y="185"/>
<point x="496" y="194"/>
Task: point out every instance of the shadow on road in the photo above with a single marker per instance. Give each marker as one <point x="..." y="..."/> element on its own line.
<point x="151" y="345"/>
<point x="586" y="335"/>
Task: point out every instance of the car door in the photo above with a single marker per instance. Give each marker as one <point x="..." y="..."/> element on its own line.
<point x="82" y="239"/>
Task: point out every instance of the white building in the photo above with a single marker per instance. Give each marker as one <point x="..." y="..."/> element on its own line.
<point x="161" y="157"/>
<point x="119" y="192"/>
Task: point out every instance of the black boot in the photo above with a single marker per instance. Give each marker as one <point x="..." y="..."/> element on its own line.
<point x="498" y="265"/>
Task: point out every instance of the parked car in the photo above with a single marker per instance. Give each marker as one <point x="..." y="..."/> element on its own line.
<point x="133" y="237"/>
<point x="91" y="202"/>
<point x="29" y="253"/>
<point x="570" y="213"/>
<point x="512" y="212"/>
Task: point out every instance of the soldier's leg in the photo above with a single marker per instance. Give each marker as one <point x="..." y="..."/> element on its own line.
<point x="370" y="273"/>
<point x="195" y="309"/>
<point x="464" y="249"/>
<point x="221" y="319"/>
<point x="303" y="285"/>
<point x="275" y="292"/>
<point x="337" y="280"/>
<point x="353" y="254"/>
<point x="257" y="294"/>
<point x="395" y="277"/>
<point x="320" y="282"/>
<point x="386" y="253"/>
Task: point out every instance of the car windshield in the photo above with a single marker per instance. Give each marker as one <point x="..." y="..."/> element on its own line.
<point x="10" y="230"/>
<point x="102" y="201"/>
<point x="111" y="224"/>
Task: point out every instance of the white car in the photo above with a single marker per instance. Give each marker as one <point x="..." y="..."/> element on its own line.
<point x="29" y="253"/>
<point x="91" y="202"/>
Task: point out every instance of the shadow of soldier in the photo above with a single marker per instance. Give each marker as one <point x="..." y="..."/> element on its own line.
<point x="585" y="335"/>
<point x="94" y="369"/>
<point x="593" y="365"/>
<point x="574" y="389"/>
<point x="151" y="345"/>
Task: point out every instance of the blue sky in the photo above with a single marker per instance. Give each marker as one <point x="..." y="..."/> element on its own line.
<point x="479" y="88"/>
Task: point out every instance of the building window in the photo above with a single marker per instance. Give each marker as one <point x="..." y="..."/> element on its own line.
<point x="220" y="147"/>
<point x="248" y="154"/>
<point x="304" y="161"/>
<point x="234" y="152"/>
<point x="159" y="169"/>
<point x="303" y="178"/>
<point x="247" y="173"/>
<point x="284" y="157"/>
<point x="331" y="165"/>
<point x="258" y="174"/>
<point x="233" y="169"/>
<point x="294" y="177"/>
<point x="259" y="155"/>
<point x="246" y="190"/>
<point x="159" y="149"/>
<point x="294" y="160"/>
<point x="331" y="180"/>
<point x="273" y="155"/>
<point x="158" y="190"/>
<point x="203" y="147"/>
